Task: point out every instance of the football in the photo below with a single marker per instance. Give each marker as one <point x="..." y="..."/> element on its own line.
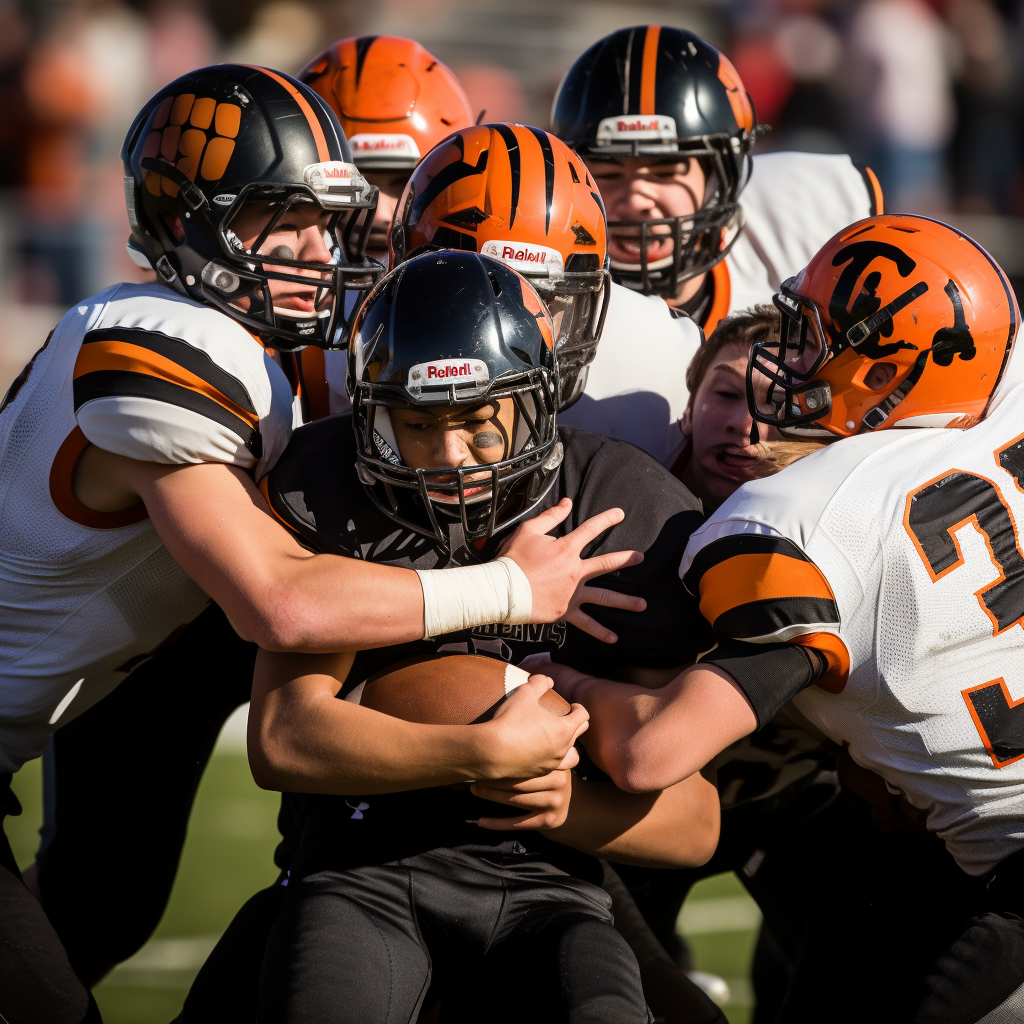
<point x="454" y="689"/>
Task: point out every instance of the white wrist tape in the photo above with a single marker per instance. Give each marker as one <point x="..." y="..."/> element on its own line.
<point x="474" y="595"/>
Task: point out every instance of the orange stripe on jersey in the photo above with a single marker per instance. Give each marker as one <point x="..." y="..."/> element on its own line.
<point x="99" y="356"/>
<point x="648" y="69"/>
<point x="720" y="302"/>
<point x="838" y="657"/>
<point x="314" y="122"/>
<point x="63" y="496"/>
<point x="314" y="376"/>
<point x="761" y="576"/>
<point x="876" y="193"/>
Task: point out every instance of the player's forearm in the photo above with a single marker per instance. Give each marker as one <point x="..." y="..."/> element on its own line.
<point x="676" y="828"/>
<point x="649" y="740"/>
<point x="335" y="747"/>
<point x="329" y="603"/>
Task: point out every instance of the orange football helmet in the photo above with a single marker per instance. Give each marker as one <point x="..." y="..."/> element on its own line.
<point x="897" y="321"/>
<point x="395" y="100"/>
<point x="521" y="196"/>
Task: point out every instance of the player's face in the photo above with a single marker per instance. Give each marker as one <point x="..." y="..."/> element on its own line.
<point x="301" y="234"/>
<point x="718" y="424"/>
<point x="391" y="186"/>
<point x="638" y="189"/>
<point x="454" y="437"/>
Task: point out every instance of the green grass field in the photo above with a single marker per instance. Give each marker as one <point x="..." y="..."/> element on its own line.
<point x="228" y="857"/>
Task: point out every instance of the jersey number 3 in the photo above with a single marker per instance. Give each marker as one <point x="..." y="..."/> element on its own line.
<point x="935" y="511"/>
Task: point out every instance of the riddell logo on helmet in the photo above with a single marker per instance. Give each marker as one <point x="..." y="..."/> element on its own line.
<point x="526" y="258"/>
<point x="379" y="145"/>
<point x="335" y="182"/>
<point x="654" y="127"/>
<point x="447" y="371"/>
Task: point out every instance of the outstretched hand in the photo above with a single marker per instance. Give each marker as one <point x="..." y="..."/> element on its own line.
<point x="558" y="575"/>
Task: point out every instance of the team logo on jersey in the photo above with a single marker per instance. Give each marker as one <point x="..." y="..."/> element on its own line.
<point x="525" y="258"/>
<point x="447" y="371"/>
<point x="637" y="128"/>
<point x="335" y="182"/>
<point x="384" y="146"/>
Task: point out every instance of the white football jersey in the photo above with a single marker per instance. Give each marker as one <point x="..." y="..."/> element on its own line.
<point x="85" y="596"/>
<point x="636" y="390"/>
<point x="896" y="556"/>
<point x="636" y="387"/>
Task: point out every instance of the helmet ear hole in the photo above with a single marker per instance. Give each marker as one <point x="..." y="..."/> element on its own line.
<point x="879" y="376"/>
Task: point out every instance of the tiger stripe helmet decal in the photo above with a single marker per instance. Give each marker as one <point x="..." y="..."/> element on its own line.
<point x="394" y="99"/>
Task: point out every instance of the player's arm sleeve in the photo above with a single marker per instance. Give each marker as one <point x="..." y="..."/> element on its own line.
<point x="774" y="619"/>
<point x="156" y="398"/>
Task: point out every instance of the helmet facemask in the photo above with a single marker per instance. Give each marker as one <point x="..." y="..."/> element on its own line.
<point x="578" y="302"/>
<point x="239" y="279"/>
<point x="697" y="241"/>
<point x="483" y="498"/>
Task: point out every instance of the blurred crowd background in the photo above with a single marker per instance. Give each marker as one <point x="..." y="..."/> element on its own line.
<point x="925" y="91"/>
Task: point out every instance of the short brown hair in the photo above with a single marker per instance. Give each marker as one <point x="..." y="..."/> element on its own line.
<point x="748" y="327"/>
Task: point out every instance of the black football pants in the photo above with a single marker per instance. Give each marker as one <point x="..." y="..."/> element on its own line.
<point x="37" y="982"/>
<point x="502" y="937"/>
<point x="119" y="783"/>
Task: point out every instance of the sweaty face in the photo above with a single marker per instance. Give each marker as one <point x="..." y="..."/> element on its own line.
<point x="391" y="186"/>
<point x="452" y="437"/>
<point x="301" y="233"/>
<point x="638" y="189"/>
<point x="718" y="424"/>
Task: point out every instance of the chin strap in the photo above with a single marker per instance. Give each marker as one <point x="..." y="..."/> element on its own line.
<point x="755" y="433"/>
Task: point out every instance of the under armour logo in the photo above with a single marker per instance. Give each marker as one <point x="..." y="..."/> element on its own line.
<point x="357" y="810"/>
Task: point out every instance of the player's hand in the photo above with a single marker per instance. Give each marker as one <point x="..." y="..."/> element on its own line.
<point x="544" y="801"/>
<point x="558" y="575"/>
<point x="524" y="740"/>
<point x="565" y="678"/>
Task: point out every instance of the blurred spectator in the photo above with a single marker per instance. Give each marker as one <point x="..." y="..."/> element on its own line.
<point x="902" y="106"/>
<point x="811" y="51"/>
<point x="84" y="80"/>
<point x="494" y="90"/>
<point x="180" y="39"/>
<point x="761" y="68"/>
<point x="13" y="125"/>
<point x="985" y="147"/>
<point x="284" y="34"/>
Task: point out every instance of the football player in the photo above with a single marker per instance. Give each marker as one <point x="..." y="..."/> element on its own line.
<point x="453" y="439"/>
<point x="666" y="129"/>
<point x="520" y="195"/>
<point x="876" y="584"/>
<point x="395" y="102"/>
<point x="130" y="447"/>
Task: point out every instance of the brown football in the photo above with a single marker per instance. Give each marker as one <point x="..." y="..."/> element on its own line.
<point x="452" y="689"/>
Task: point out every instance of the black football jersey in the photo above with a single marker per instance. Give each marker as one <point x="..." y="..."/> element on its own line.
<point x="315" y="491"/>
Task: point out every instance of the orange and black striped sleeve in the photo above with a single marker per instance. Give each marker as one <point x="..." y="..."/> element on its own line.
<point x="150" y="395"/>
<point x="774" y="617"/>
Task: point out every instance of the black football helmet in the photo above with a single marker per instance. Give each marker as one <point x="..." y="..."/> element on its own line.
<point x="454" y="328"/>
<point x="220" y="138"/>
<point x="664" y="93"/>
